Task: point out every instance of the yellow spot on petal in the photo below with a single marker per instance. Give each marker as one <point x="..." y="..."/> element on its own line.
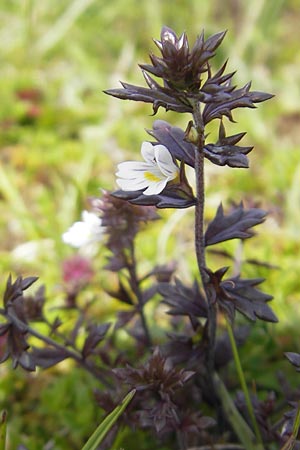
<point x="151" y="177"/>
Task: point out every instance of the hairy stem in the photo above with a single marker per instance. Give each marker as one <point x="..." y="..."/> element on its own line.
<point x="241" y="376"/>
<point x="199" y="230"/>
<point x="200" y="190"/>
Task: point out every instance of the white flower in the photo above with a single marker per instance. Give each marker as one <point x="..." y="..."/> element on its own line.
<point x="153" y="174"/>
<point x="84" y="232"/>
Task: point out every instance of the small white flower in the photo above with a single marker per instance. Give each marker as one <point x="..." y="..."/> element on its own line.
<point x="153" y="174"/>
<point x="85" y="232"/>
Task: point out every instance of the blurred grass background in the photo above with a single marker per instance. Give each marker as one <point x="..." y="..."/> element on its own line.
<point x="61" y="139"/>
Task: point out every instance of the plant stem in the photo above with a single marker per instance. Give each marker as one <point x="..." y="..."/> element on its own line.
<point x="241" y="376"/>
<point x="135" y="285"/>
<point x="297" y="422"/>
<point x="241" y="428"/>
<point x="199" y="231"/>
<point x="95" y="371"/>
<point x="291" y="442"/>
<point x="200" y="190"/>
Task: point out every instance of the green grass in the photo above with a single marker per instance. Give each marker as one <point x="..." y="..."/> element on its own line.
<point x="58" y="150"/>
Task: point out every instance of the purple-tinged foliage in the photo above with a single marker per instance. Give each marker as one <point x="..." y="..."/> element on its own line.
<point x="157" y="375"/>
<point x="121" y="220"/>
<point x="34" y="305"/>
<point x="294" y="358"/>
<point x="183" y="70"/>
<point x="175" y="195"/>
<point x="180" y="67"/>
<point x="167" y="199"/>
<point x="235" y="225"/>
<point x="174" y="139"/>
<point x="48" y="356"/>
<point x="226" y="152"/>
<point x="157" y="95"/>
<point x="184" y="301"/>
<point x="16" y="326"/>
<point x="96" y="334"/>
<point x="263" y="409"/>
<point x="228" y="98"/>
<point x="122" y="294"/>
<point x="287" y="432"/>
<point x="248" y="300"/>
<point x="237" y="294"/>
<point x="173" y="345"/>
<point x="183" y="349"/>
<point x="157" y="383"/>
<point x="223" y="152"/>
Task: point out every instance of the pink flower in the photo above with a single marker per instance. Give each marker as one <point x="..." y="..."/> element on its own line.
<point x="77" y="272"/>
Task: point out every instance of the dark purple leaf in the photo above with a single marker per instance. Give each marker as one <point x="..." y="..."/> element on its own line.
<point x="213" y="42"/>
<point x="163" y="273"/>
<point x="169" y="198"/>
<point x="239" y="294"/>
<point x="236" y="98"/>
<point x="232" y="156"/>
<point x="115" y="263"/>
<point x="27" y="282"/>
<point x="121" y="294"/>
<point x="294" y="358"/>
<point x="157" y="374"/>
<point x="149" y="293"/>
<point x="123" y="317"/>
<point x="258" y="97"/>
<point x="224" y="152"/>
<point x="48" y="357"/>
<point x="173" y="138"/>
<point x="235" y="225"/>
<point x="184" y="301"/>
<point x="248" y="300"/>
<point x="96" y="335"/>
<point x="34" y="305"/>
<point x="157" y="97"/>
<point x="181" y="349"/>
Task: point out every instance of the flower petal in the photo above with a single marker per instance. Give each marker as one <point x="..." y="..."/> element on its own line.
<point x="131" y="169"/>
<point x="147" y="151"/>
<point x="151" y="175"/>
<point x="156" y="188"/>
<point x="165" y="162"/>
<point x="132" y="184"/>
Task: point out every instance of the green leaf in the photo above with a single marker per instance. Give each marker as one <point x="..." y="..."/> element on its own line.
<point x="241" y="428"/>
<point x="3" y="430"/>
<point x="104" y="427"/>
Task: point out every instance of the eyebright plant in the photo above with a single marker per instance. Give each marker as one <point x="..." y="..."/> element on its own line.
<point x="175" y="367"/>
